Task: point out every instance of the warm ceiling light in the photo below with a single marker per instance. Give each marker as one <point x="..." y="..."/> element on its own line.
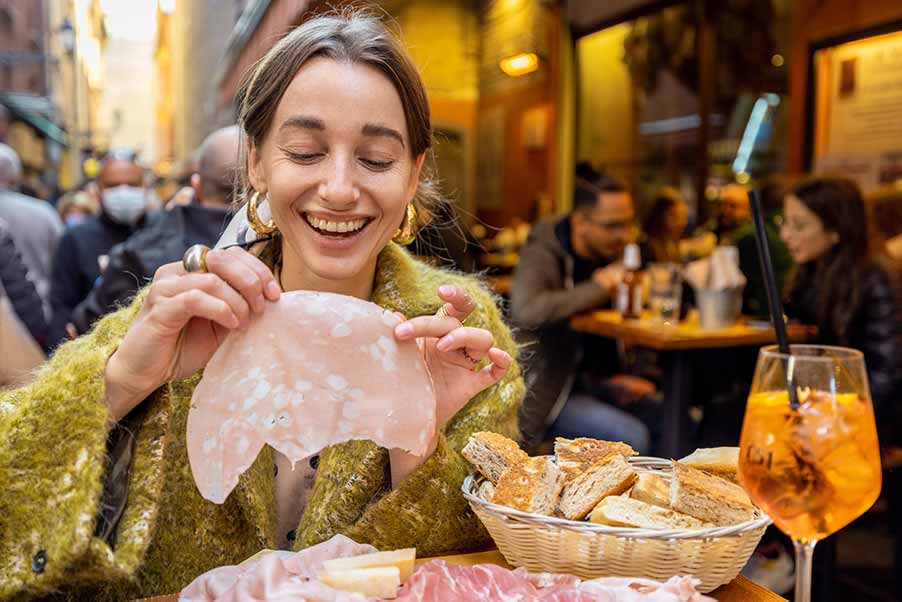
<point x="777" y="60"/>
<point x="520" y="64"/>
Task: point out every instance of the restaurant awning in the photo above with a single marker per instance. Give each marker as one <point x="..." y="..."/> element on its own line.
<point x="37" y="111"/>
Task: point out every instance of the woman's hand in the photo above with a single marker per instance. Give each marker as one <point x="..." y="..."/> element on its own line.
<point x="182" y="322"/>
<point x="453" y="351"/>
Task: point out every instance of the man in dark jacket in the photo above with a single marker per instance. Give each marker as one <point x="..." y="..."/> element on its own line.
<point x="84" y="249"/>
<point x="19" y="289"/>
<point x="167" y="235"/>
<point x="569" y="266"/>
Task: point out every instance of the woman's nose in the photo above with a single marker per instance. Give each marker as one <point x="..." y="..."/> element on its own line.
<point x="338" y="187"/>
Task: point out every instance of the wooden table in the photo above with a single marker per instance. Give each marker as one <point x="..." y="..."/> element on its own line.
<point x="738" y="590"/>
<point x="675" y="344"/>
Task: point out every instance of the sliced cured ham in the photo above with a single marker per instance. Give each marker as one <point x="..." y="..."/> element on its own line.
<point x="437" y="581"/>
<point x="314" y="369"/>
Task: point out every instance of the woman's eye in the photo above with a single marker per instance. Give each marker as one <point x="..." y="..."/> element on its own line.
<point x="376" y="165"/>
<point x="304" y="157"/>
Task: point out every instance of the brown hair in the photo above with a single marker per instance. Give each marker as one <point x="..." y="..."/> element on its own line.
<point x="354" y="36"/>
<point x="839" y="275"/>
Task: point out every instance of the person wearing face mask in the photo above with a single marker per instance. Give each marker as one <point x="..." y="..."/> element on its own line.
<point x="83" y="250"/>
<point x="199" y="220"/>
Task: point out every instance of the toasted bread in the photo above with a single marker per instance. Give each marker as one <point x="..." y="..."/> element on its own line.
<point x="492" y="454"/>
<point x="708" y="498"/>
<point x="531" y="486"/>
<point x="620" y="511"/>
<point x="610" y="475"/>
<point x="720" y="461"/>
<point x="575" y="456"/>
<point x="652" y="489"/>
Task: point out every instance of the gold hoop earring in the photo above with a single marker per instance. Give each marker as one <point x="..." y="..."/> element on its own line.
<point x="407" y="233"/>
<point x="254" y="219"/>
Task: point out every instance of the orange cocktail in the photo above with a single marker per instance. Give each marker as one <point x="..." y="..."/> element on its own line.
<point x="812" y="470"/>
<point x="812" y="463"/>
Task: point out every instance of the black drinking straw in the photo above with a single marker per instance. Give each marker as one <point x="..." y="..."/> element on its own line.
<point x="770" y="283"/>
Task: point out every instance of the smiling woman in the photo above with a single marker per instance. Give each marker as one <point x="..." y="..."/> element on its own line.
<point x="337" y="133"/>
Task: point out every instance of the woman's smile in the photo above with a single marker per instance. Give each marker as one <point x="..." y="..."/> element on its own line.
<point x="336" y="233"/>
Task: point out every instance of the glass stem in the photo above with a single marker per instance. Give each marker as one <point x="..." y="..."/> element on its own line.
<point x="804" y="558"/>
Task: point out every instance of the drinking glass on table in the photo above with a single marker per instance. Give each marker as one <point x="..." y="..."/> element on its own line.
<point x="665" y="292"/>
<point x="816" y="467"/>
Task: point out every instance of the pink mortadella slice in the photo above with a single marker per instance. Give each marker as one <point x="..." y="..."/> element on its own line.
<point x="313" y="370"/>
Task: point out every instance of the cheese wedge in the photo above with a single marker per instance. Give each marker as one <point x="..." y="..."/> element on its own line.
<point x="402" y="559"/>
<point x="375" y="582"/>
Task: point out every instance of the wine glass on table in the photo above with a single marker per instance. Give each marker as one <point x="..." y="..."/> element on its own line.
<point x="810" y="459"/>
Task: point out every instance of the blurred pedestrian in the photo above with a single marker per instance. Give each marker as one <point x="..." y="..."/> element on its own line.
<point x="83" y="250"/>
<point x="33" y="224"/>
<point x="76" y="206"/>
<point x="732" y="212"/>
<point x="664" y="226"/>
<point x="569" y="266"/>
<point x="199" y="220"/>
<point x="6" y="120"/>
<point x="19" y="290"/>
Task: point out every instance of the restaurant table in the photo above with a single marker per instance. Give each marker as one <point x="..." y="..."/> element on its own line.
<point x="739" y="589"/>
<point x="675" y="344"/>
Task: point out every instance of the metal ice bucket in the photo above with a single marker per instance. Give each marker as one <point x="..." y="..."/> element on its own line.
<point x="718" y="309"/>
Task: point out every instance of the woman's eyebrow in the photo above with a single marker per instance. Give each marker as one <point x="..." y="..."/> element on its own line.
<point x="303" y="122"/>
<point x="373" y="130"/>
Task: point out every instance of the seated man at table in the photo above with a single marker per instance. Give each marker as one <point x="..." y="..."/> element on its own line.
<point x="569" y="266"/>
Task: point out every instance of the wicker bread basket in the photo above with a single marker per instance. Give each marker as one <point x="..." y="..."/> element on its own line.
<point x="589" y="550"/>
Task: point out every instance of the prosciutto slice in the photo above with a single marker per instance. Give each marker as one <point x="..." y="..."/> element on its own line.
<point x="438" y="581"/>
<point x="314" y="369"/>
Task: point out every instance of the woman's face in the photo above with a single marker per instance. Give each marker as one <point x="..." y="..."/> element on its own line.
<point x="677" y="219"/>
<point x="804" y="232"/>
<point x="337" y="167"/>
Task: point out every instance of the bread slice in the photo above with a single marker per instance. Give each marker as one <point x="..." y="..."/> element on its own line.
<point x="722" y="462"/>
<point x="707" y="497"/>
<point x="610" y="475"/>
<point x="575" y="456"/>
<point x="492" y="454"/>
<point x="652" y="489"/>
<point x="620" y="511"/>
<point x="531" y="486"/>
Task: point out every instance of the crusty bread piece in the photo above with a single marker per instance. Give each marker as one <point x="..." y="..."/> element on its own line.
<point x="610" y="475"/>
<point x="531" y="486"/>
<point x="652" y="489"/>
<point x="707" y="497"/>
<point x="492" y="454"/>
<point x="620" y="511"/>
<point x="575" y="456"/>
<point x="722" y="462"/>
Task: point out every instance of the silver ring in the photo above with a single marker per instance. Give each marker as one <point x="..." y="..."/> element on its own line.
<point x="195" y="258"/>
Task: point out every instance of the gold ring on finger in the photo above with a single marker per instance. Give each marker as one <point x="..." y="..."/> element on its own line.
<point x="195" y="259"/>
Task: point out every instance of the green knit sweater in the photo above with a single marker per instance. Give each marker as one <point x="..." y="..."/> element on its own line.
<point x="53" y="456"/>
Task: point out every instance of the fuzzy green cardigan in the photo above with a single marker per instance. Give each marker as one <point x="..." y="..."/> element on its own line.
<point x="53" y="456"/>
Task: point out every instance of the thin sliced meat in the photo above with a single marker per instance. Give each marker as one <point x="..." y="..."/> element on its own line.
<point x="438" y="581"/>
<point x="315" y="369"/>
<point x="275" y="576"/>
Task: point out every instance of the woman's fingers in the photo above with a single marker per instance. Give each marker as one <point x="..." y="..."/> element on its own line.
<point x="476" y="341"/>
<point x="458" y="302"/>
<point x="236" y="268"/>
<point x="501" y="363"/>
<point x="174" y="312"/>
<point x="426" y="326"/>
<point x="271" y="288"/>
<point x="211" y="284"/>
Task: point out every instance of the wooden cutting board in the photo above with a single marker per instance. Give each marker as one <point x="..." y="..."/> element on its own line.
<point x="738" y="590"/>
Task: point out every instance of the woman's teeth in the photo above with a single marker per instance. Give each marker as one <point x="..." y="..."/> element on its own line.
<point x="336" y="227"/>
